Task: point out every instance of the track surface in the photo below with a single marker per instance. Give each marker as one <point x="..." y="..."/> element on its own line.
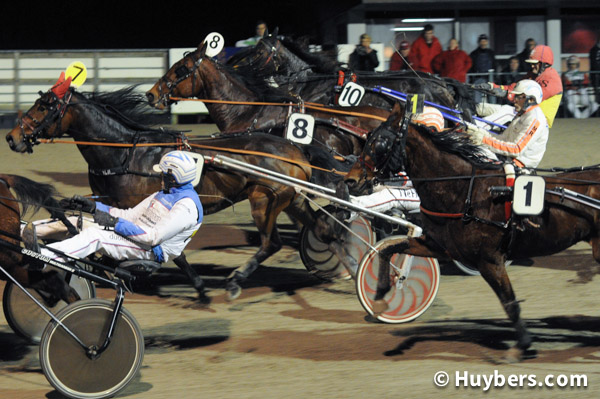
<point x="290" y="335"/>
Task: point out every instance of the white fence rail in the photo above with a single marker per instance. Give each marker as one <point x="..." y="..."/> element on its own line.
<point x="24" y="73"/>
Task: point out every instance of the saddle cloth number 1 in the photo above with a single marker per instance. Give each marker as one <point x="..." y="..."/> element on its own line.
<point x="529" y="195"/>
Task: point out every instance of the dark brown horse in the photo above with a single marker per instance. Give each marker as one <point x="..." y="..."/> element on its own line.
<point x="197" y="75"/>
<point x="119" y="175"/>
<point x="28" y="193"/>
<point x="460" y="217"/>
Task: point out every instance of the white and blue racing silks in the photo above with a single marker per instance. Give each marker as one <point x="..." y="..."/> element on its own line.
<point x="165" y="222"/>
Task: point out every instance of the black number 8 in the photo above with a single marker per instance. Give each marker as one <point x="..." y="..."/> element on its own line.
<point x="300" y="125"/>
<point x="214" y="42"/>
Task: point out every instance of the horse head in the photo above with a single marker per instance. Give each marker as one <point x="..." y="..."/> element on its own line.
<point x="181" y="80"/>
<point x="382" y="155"/>
<point x="49" y="117"/>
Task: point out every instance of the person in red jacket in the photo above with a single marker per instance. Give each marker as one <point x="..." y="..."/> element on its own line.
<point x="452" y="63"/>
<point x="398" y="63"/>
<point x="425" y="49"/>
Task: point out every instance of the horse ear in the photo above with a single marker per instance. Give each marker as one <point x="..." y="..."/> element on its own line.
<point x="397" y="109"/>
<point x="202" y="49"/>
<point x="276" y="31"/>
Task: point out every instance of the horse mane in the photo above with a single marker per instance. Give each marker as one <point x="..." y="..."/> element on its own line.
<point x="317" y="62"/>
<point x="32" y="194"/>
<point x="256" y="84"/>
<point x="457" y="142"/>
<point x="127" y="107"/>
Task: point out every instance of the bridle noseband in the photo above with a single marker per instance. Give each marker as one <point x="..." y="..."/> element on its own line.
<point x="56" y="111"/>
<point x="182" y="72"/>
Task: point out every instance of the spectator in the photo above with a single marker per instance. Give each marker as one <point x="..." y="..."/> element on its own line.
<point x="364" y="58"/>
<point x="425" y="49"/>
<point x="595" y="67"/>
<point x="402" y="61"/>
<point x="484" y="61"/>
<point x="575" y="83"/>
<point x="452" y="63"/>
<point x="524" y="55"/>
<point x="513" y="72"/>
<point x="260" y="30"/>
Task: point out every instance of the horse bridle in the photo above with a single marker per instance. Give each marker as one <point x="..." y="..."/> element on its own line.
<point x="56" y="111"/>
<point x="182" y="72"/>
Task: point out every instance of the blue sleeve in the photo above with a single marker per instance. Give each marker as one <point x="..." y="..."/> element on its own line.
<point x="102" y="207"/>
<point x="128" y="229"/>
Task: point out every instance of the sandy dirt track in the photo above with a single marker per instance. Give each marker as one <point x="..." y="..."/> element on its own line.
<point x="291" y="335"/>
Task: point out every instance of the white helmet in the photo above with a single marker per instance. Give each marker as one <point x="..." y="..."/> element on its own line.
<point x="179" y="164"/>
<point x="530" y="88"/>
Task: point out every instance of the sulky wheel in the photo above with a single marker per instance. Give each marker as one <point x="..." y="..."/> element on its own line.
<point x="65" y="363"/>
<point x="406" y="301"/>
<point x="26" y="318"/>
<point x="320" y="261"/>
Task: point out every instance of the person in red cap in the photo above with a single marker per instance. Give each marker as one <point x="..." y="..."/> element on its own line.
<point x="425" y="49"/>
<point x="452" y="63"/>
<point x="401" y="61"/>
<point x="540" y="69"/>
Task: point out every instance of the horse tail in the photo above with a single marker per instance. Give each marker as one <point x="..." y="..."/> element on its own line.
<point x="325" y="166"/>
<point x="38" y="195"/>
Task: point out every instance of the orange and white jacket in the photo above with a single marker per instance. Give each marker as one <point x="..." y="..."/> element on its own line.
<point x="525" y="139"/>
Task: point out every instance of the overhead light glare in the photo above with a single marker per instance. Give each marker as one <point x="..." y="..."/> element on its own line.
<point x="407" y="28"/>
<point x="421" y="20"/>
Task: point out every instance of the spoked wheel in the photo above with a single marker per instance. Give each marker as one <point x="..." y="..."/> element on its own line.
<point x="471" y="271"/>
<point x="407" y="299"/>
<point x="65" y="363"/>
<point x="320" y="261"/>
<point x="26" y="318"/>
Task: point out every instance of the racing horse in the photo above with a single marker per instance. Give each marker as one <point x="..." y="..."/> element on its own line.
<point x="29" y="193"/>
<point x="197" y="75"/>
<point x="119" y="175"/>
<point x="462" y="220"/>
<point x="314" y="77"/>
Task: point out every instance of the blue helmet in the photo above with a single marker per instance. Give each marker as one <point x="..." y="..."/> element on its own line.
<point x="179" y="164"/>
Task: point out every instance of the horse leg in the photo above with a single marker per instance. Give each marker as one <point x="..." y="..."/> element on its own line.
<point x="54" y="283"/>
<point x="265" y="207"/>
<point x="197" y="282"/>
<point x="412" y="246"/>
<point x="496" y="276"/>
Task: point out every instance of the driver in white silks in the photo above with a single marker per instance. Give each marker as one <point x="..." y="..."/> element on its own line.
<point x="401" y="195"/>
<point x="157" y="229"/>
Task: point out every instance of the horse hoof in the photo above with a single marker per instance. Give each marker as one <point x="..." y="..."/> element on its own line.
<point x="204" y="299"/>
<point x="379" y="307"/>
<point x="513" y="355"/>
<point x="233" y="291"/>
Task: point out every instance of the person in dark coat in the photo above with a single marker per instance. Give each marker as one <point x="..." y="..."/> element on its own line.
<point x="524" y="55"/>
<point x="364" y="58"/>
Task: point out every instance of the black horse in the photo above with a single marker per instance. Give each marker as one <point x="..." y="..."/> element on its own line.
<point x="118" y="172"/>
<point x="460" y="217"/>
